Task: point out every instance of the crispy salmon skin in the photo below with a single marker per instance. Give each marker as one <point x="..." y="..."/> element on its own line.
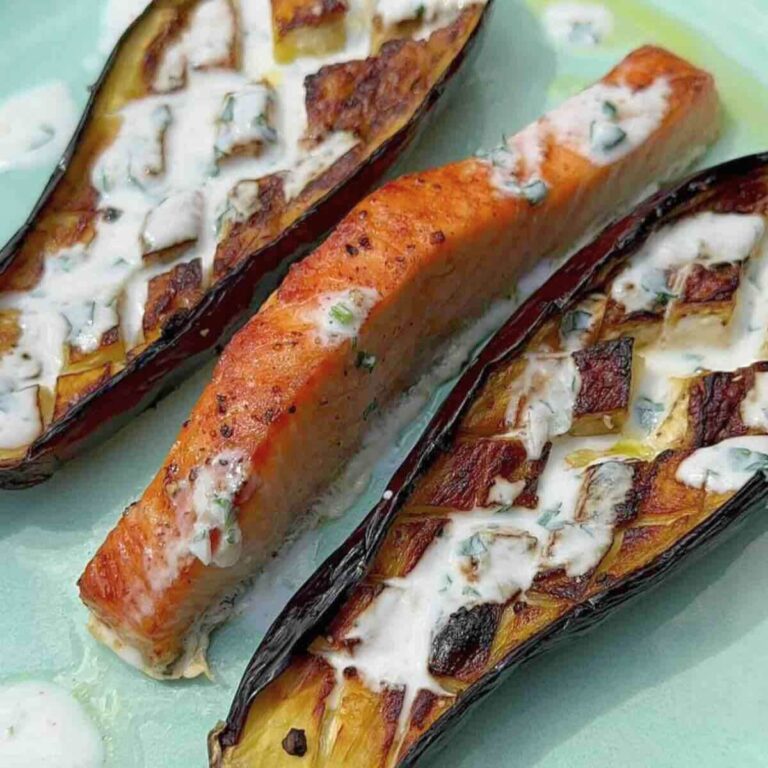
<point x="352" y="325"/>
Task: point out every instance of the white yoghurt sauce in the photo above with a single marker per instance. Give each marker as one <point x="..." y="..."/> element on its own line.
<point x="164" y="161"/>
<point x="43" y="726"/>
<point x="36" y="125"/>
<point x="340" y="315"/>
<point x="116" y="18"/>
<point x="397" y="11"/>
<point x="706" y="238"/>
<point x="602" y="123"/>
<point x="716" y="238"/>
<point x="578" y="24"/>
<point x="487" y="555"/>
<point x="726" y="466"/>
<point x="549" y="387"/>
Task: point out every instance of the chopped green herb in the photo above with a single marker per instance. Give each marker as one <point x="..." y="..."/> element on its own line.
<point x="365" y="361"/>
<point x="547" y="519"/>
<point x="588" y="530"/>
<point x="647" y="412"/>
<point x="222" y="502"/>
<point x="474" y="546"/>
<point x="610" y="110"/>
<point x="228" y="110"/>
<point x="222" y="218"/>
<point x="373" y="406"/>
<point x="606" y="136"/>
<point x="534" y="191"/>
<point x="470" y="592"/>
<point x="744" y="460"/>
<point x="105" y="183"/>
<point x="420" y="12"/>
<point x="575" y="320"/>
<point x="162" y="117"/>
<point x="341" y="313"/>
<point x="655" y="283"/>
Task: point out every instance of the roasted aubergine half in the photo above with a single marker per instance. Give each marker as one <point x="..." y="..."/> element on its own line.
<point x="615" y="424"/>
<point x="212" y="150"/>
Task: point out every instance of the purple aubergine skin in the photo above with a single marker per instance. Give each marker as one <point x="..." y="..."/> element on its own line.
<point x="735" y="186"/>
<point x="181" y="347"/>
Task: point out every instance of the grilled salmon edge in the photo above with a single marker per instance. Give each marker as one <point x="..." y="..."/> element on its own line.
<point x="437" y="246"/>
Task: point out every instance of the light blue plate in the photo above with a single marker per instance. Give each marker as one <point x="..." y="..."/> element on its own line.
<point x="679" y="678"/>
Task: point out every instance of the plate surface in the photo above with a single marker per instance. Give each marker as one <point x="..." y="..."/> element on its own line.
<point x="678" y="678"/>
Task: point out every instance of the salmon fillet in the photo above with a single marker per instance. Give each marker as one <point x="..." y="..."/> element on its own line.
<point x="352" y="325"/>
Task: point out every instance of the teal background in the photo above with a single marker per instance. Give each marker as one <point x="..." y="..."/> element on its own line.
<point x="679" y="678"/>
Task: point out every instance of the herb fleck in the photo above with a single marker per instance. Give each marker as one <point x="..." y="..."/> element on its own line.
<point x="535" y="191"/>
<point x="341" y="313"/>
<point x="547" y="519"/>
<point x="647" y="412"/>
<point x="744" y="460"/>
<point x="606" y="136"/>
<point x="575" y="320"/>
<point x="372" y="407"/>
<point x="365" y="361"/>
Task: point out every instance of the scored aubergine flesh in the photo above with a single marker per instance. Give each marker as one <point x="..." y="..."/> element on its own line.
<point x="619" y="420"/>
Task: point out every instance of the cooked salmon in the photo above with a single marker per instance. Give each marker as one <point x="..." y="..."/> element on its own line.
<point x="350" y="328"/>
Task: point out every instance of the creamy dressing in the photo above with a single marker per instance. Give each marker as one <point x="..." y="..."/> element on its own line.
<point x="117" y="16"/>
<point x="394" y="12"/>
<point x="206" y="505"/>
<point x="168" y="180"/>
<point x="727" y="466"/>
<point x="19" y="416"/>
<point x="36" y="126"/>
<point x="516" y="166"/>
<point x="211" y="35"/>
<point x="606" y="122"/>
<point x="43" y="726"/>
<point x="246" y="118"/>
<point x="542" y="401"/>
<point x="175" y="221"/>
<point x="340" y="315"/>
<point x="488" y="555"/>
<point x="706" y="238"/>
<point x="213" y="502"/>
<point x="603" y="124"/>
<point x="740" y="237"/>
<point x="579" y="323"/>
<point x="578" y="24"/>
<point x="211" y="498"/>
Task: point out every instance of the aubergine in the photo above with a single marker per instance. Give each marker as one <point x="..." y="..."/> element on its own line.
<point x="606" y="432"/>
<point x="191" y="176"/>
